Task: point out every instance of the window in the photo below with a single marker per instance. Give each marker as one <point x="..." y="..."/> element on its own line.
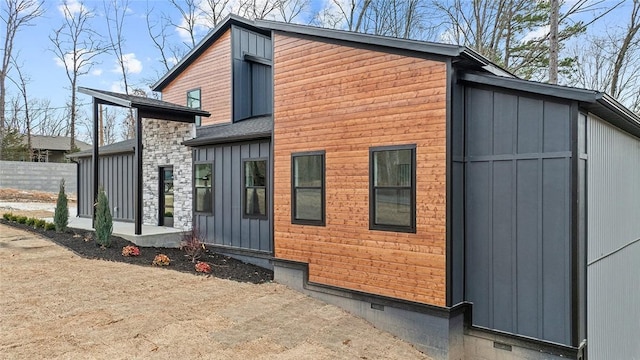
<point x="203" y="181"/>
<point x="193" y="101"/>
<point x="392" y="190"/>
<point x="307" y="190"/>
<point x="255" y="188"/>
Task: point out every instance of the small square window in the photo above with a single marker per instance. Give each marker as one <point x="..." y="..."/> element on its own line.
<point x="255" y="188"/>
<point x="393" y="188"/>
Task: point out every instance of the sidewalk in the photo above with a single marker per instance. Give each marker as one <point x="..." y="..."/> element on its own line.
<point x="55" y="304"/>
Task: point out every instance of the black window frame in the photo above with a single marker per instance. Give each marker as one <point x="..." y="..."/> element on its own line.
<point x="266" y="190"/>
<point x="198" y="117"/>
<point x="195" y="194"/>
<point x="411" y="228"/>
<point x="294" y="220"/>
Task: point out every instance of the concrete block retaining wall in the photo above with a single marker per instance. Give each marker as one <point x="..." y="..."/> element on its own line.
<point x="37" y="176"/>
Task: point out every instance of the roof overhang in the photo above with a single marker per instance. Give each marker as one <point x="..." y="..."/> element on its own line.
<point x="259" y="127"/>
<point x="146" y="107"/>
<point x="598" y="103"/>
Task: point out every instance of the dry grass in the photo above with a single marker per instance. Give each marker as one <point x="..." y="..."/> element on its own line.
<point x="57" y="305"/>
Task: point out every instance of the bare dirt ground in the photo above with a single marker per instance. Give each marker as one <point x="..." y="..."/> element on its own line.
<point x="54" y="304"/>
<point x="31" y="203"/>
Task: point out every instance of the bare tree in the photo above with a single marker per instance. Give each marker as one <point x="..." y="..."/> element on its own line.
<point x="502" y="30"/>
<point x="553" y="42"/>
<point x="115" y="13"/>
<point x="630" y="39"/>
<point x="15" y="15"/>
<point x="611" y="62"/>
<point x="21" y="82"/>
<point x="159" y="32"/>
<point x="76" y="46"/>
<point x="215" y="10"/>
<point x="189" y="16"/>
<point x="289" y="10"/>
<point x="47" y="120"/>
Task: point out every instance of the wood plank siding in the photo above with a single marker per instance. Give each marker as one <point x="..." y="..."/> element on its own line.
<point x="211" y="72"/>
<point x="344" y="100"/>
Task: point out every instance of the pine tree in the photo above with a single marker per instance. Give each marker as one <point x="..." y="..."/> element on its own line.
<point x="61" y="215"/>
<point x="104" y="221"/>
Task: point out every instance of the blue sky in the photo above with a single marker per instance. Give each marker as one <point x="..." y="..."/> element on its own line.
<point x="48" y="78"/>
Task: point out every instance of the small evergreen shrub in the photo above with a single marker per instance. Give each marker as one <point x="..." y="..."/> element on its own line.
<point x="30" y="221"/>
<point x="61" y="215"/>
<point x="7" y="216"/>
<point x="21" y="219"/>
<point x="13" y="218"/>
<point x="40" y="224"/>
<point x="50" y="226"/>
<point x="104" y="220"/>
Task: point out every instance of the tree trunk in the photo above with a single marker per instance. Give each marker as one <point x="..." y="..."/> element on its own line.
<point x="553" y="42"/>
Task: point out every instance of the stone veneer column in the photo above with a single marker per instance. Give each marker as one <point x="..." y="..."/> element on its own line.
<point x="162" y="147"/>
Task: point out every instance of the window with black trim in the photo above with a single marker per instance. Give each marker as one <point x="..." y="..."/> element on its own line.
<point x="203" y="185"/>
<point x="392" y="190"/>
<point x="255" y="188"/>
<point x="307" y="190"/>
<point x="193" y="101"/>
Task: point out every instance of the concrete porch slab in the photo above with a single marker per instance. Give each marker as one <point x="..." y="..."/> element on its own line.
<point x="152" y="236"/>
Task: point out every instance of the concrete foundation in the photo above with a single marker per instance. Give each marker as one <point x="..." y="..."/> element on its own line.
<point x="439" y="334"/>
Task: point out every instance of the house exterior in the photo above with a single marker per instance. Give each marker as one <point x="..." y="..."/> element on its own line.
<point x="52" y="148"/>
<point x="417" y="185"/>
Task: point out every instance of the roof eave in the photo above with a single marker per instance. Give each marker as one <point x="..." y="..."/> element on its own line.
<point x="195" y="142"/>
<point x="102" y="96"/>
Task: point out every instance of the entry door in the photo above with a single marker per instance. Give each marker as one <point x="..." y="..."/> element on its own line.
<point x="165" y="216"/>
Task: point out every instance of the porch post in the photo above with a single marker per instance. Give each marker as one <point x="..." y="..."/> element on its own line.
<point x="137" y="191"/>
<point x="95" y="160"/>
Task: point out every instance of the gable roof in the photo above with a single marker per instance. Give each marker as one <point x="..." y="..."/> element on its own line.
<point x="62" y="143"/>
<point x="203" y="45"/>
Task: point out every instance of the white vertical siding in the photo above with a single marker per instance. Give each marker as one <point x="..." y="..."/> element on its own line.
<point x="613" y="249"/>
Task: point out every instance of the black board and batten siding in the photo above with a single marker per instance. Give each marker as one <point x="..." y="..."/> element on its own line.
<point x="227" y="226"/>
<point x="517" y="214"/>
<point x="116" y="176"/>
<point x="252" y="80"/>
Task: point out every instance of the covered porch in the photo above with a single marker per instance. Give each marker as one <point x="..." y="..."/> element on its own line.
<point x="152" y="236"/>
<point x="143" y="108"/>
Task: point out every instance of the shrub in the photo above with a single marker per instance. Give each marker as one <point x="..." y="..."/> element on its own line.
<point x="30" y="221"/>
<point x="192" y="245"/>
<point x="40" y="224"/>
<point x="14" y="218"/>
<point x="61" y="215"/>
<point x="161" y="260"/>
<point x="203" y="267"/>
<point x="7" y="216"/>
<point x="104" y="221"/>
<point x="21" y="219"/>
<point x="50" y="226"/>
<point x="130" y="250"/>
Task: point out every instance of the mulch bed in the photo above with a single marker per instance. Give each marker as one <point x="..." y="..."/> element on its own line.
<point x="81" y="242"/>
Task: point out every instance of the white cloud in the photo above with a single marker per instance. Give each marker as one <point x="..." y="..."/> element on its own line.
<point x="172" y="60"/>
<point x="131" y="64"/>
<point x="96" y="72"/>
<point x="538" y="33"/>
<point x="68" y="60"/>
<point x="117" y="86"/>
<point x="70" y="8"/>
